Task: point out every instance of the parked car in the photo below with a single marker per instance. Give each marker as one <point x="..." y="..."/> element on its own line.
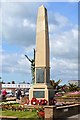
<point x="27" y="93"/>
<point x="9" y="94"/>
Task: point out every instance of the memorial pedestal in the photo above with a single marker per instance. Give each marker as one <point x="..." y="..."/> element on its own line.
<point x="41" y="91"/>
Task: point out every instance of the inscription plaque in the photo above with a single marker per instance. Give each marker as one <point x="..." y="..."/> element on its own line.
<point x="39" y="75"/>
<point x="39" y="94"/>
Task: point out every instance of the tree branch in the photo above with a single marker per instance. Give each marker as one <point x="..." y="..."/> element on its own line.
<point x="28" y="58"/>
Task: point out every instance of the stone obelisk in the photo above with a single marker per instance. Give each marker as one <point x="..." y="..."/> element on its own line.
<point x="42" y="39"/>
<point x="41" y="88"/>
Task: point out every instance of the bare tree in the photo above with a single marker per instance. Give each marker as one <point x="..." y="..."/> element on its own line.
<point x="32" y="61"/>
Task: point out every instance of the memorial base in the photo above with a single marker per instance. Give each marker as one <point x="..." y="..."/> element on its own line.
<point x="41" y="92"/>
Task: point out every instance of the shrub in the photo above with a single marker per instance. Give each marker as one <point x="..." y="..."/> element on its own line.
<point x="41" y="113"/>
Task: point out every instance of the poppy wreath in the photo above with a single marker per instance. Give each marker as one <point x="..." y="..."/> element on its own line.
<point x="43" y="102"/>
<point x="34" y="101"/>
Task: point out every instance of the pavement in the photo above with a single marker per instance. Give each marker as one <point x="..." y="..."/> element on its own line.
<point x="74" y="117"/>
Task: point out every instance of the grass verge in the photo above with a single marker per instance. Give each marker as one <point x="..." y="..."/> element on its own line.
<point x="21" y="114"/>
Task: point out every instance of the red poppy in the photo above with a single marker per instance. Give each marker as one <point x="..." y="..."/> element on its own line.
<point x="34" y="101"/>
<point x="41" y="114"/>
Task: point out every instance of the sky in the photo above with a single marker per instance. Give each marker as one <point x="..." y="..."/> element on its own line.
<point x="18" y="37"/>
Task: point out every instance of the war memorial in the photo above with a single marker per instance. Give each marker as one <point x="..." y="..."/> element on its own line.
<point x="41" y="89"/>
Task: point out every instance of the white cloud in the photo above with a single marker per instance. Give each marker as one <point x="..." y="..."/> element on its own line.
<point x="19" y="25"/>
<point x="15" y="63"/>
<point x="64" y="69"/>
<point x="19" y="28"/>
<point x="65" y="44"/>
<point x="64" y="54"/>
<point x="57" y="21"/>
<point x="64" y="64"/>
<point x="27" y="23"/>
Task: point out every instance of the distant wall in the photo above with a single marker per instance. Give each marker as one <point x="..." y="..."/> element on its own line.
<point x="69" y="99"/>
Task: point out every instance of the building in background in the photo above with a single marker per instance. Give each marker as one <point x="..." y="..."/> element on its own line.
<point x="13" y="87"/>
